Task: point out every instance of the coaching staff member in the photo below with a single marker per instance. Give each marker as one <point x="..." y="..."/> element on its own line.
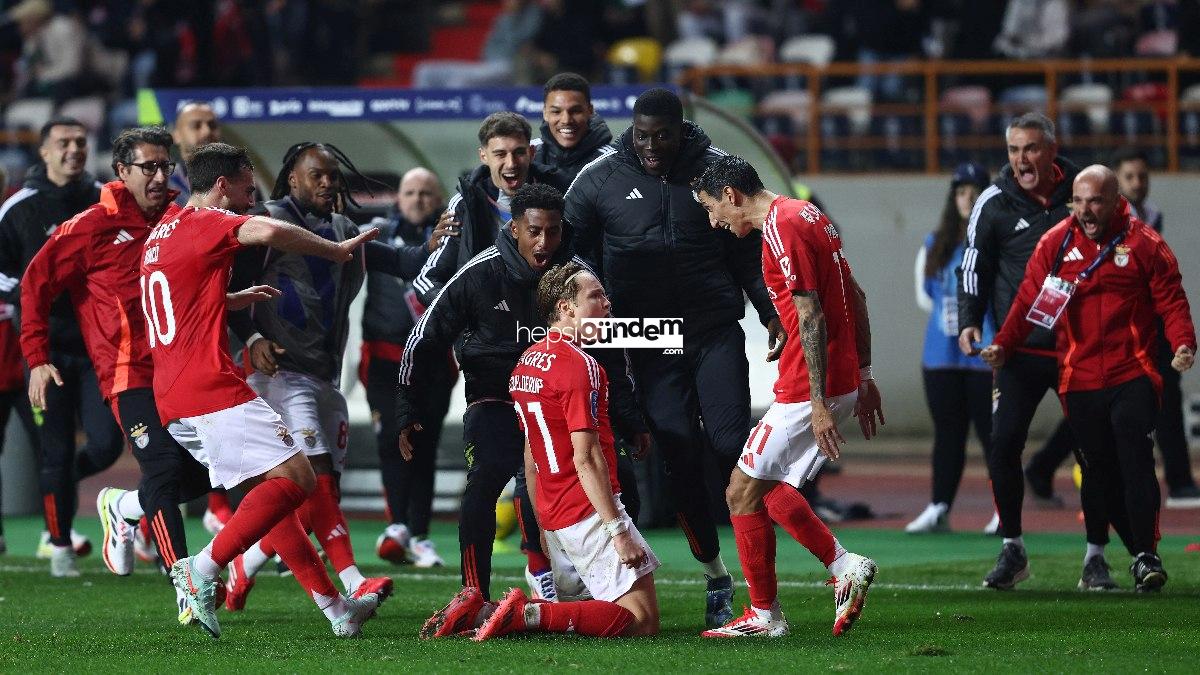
<point x="1125" y="279"/>
<point x="661" y="259"/>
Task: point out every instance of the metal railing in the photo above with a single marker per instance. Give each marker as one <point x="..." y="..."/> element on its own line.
<point x="927" y="141"/>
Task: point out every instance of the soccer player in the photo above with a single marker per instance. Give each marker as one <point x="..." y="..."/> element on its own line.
<point x="634" y="209"/>
<point x="572" y="134"/>
<point x="296" y="343"/>
<point x="52" y="193"/>
<point x="561" y="397"/>
<point x="92" y="258"/>
<point x="824" y="378"/>
<point x="205" y="401"/>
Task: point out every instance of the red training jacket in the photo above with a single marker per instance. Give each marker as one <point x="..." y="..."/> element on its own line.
<point x="95" y="257"/>
<point x="1105" y="336"/>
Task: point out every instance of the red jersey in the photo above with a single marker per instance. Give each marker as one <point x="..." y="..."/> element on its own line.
<point x="1106" y="334"/>
<point x="557" y="389"/>
<point x="185" y="272"/>
<point x="803" y="252"/>
<point x="94" y="258"/>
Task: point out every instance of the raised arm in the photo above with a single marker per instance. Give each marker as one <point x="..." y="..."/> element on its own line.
<point x="264" y="231"/>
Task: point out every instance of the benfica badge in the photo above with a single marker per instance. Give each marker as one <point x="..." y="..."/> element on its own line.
<point x="1121" y="256"/>
<point x="140" y="436"/>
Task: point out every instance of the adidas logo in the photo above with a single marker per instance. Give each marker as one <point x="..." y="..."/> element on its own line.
<point x="1073" y="254"/>
<point x="337" y="531"/>
<point x="634" y="194"/>
<point x="122" y="237"/>
<point x="1021" y="225"/>
<point x="502" y="306"/>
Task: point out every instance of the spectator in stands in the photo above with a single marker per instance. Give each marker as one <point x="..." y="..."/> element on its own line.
<point x="958" y="388"/>
<point x="195" y="125"/>
<point x="882" y="30"/>
<point x="391" y="311"/>
<point x="509" y="38"/>
<point x="54" y="50"/>
<point x="724" y="22"/>
<point x="1034" y="29"/>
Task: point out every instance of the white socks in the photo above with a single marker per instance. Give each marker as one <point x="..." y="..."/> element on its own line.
<point x="1015" y="540"/>
<point x="715" y="568"/>
<point x="204" y="565"/>
<point x="1092" y="550"/>
<point x="772" y="614"/>
<point x="254" y="558"/>
<point x="840" y="561"/>
<point x="128" y="506"/>
<point x="351" y="578"/>
<point x="333" y="608"/>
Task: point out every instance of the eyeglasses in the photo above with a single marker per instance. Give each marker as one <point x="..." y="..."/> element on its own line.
<point x="151" y="168"/>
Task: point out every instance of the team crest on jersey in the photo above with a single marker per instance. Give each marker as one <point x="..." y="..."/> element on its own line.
<point x="595" y="398"/>
<point x="310" y="437"/>
<point x="140" y="436"/>
<point x="282" y="432"/>
<point x="1121" y="256"/>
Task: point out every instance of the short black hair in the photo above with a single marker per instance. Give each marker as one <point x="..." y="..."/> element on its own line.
<point x="126" y="144"/>
<point x="568" y="82"/>
<point x="536" y="196"/>
<point x="215" y="160"/>
<point x="60" y="122"/>
<point x="504" y="124"/>
<point x="1128" y="153"/>
<point x="729" y="170"/>
<point x="659" y="102"/>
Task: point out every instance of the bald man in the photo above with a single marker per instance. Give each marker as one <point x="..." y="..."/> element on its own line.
<point x="1099" y="280"/>
<point x="392" y="310"/>
<point x="195" y="125"/>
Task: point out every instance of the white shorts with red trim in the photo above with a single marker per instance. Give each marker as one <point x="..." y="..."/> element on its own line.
<point x="236" y="443"/>
<point x="782" y="447"/>
<point x="313" y="409"/>
<point x="585" y="551"/>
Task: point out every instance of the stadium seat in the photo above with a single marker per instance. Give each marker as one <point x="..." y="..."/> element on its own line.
<point x="28" y="113"/>
<point x="643" y="53"/>
<point x="817" y="50"/>
<point x="974" y="101"/>
<point x="89" y="111"/>
<point x="752" y="50"/>
<point x="792" y="104"/>
<point x="1157" y="43"/>
<point x="1095" y="100"/>
<point x="1024" y="98"/>
<point x="687" y="53"/>
<point x="852" y="102"/>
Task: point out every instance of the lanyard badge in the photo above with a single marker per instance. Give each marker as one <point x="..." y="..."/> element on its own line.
<point x="1050" y="302"/>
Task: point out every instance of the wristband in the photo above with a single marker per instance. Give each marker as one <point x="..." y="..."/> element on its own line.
<point x="252" y="339"/>
<point x="614" y="527"/>
<point x="864" y="373"/>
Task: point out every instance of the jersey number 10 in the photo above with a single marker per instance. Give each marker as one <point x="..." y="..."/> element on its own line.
<point x="151" y="305"/>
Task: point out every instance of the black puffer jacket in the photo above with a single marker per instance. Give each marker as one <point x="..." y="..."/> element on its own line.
<point x="479" y="311"/>
<point x="559" y="165"/>
<point x="1004" y="228"/>
<point x="660" y="256"/>
<point x="26" y="221"/>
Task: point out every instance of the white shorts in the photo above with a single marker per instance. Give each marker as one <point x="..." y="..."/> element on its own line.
<point x="585" y="551"/>
<point x="236" y="443"/>
<point x="313" y="409"/>
<point x="782" y="447"/>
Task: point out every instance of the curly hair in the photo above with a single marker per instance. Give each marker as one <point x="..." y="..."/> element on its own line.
<point x="536" y="196"/>
<point x="560" y="282"/>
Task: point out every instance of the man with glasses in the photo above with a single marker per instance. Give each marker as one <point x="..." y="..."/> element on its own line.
<point x="95" y="258"/>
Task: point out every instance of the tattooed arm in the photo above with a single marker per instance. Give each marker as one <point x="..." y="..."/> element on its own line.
<point x="815" y="342"/>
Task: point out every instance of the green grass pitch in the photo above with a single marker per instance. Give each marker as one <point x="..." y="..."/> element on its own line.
<point x="925" y="613"/>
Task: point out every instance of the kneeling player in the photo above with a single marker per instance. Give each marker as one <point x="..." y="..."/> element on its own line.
<point x="561" y="397"/>
<point x="824" y="376"/>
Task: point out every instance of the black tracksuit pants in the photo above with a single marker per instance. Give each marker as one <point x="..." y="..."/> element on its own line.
<point x="408" y="486"/>
<point x="170" y="475"/>
<point x="695" y="400"/>
<point x="60" y="466"/>
<point x="957" y="400"/>
<point x="1113" y="426"/>
<point x="17" y="400"/>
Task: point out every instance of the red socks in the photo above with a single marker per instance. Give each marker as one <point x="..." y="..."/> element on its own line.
<point x="296" y="549"/>
<point x="325" y="516"/>
<point x="755" y="535"/>
<point x="261" y="509"/>
<point x="218" y="503"/>
<point x="791" y="510"/>
<point x="595" y="618"/>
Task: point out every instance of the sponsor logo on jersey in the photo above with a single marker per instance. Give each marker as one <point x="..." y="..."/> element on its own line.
<point x="1021" y="225"/>
<point x="634" y="194"/>
<point x="502" y="306"/>
<point x="122" y="237"/>
<point x="1073" y="254"/>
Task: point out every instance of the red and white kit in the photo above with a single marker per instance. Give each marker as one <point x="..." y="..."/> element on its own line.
<point x="803" y="252"/>
<point x="558" y="389"/>
<point x="200" y="392"/>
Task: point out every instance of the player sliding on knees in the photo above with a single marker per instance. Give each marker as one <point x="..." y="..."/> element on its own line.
<point x="204" y="398"/>
<point x="824" y="377"/>
<point x="561" y="397"/>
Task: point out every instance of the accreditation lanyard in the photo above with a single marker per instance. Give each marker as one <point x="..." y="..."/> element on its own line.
<point x="1056" y="292"/>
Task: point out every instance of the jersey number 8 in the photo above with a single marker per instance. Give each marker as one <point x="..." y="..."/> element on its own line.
<point x="150" y="308"/>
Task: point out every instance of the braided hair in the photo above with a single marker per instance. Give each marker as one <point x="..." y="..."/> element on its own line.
<point x="293" y="154"/>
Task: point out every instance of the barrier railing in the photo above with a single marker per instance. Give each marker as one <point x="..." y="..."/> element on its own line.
<point x="1098" y="105"/>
